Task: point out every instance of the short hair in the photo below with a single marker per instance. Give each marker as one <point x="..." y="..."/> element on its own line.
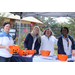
<point x="46" y="30"/>
<point x="5" y="23"/>
<point x="64" y="28"/>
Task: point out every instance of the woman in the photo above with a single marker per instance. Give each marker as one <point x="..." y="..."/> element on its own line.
<point x="48" y="41"/>
<point x="33" y="40"/>
<point x="65" y="43"/>
<point x="5" y="41"/>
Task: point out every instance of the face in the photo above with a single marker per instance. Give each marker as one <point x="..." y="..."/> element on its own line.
<point x="7" y="28"/>
<point x="36" y="30"/>
<point x="64" y="31"/>
<point x="48" y="33"/>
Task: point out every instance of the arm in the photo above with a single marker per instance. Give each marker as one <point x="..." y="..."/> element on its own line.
<point x="26" y="41"/>
<point x="6" y="47"/>
<point x="38" y="45"/>
<point x="73" y="43"/>
<point x="60" y="46"/>
<point x="2" y="46"/>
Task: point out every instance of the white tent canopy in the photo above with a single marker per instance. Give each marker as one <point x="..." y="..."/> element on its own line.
<point x="12" y="16"/>
<point x="46" y="14"/>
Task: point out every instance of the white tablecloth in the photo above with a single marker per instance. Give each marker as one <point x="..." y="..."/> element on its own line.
<point x="40" y="58"/>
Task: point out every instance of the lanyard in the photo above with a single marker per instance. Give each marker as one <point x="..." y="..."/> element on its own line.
<point x="67" y="41"/>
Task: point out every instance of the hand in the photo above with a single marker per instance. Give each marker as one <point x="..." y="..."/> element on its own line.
<point x="14" y="45"/>
<point x="26" y="49"/>
<point x="54" y="54"/>
<point x="7" y="48"/>
<point x="35" y="51"/>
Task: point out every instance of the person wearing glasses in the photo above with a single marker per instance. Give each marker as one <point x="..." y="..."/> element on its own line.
<point x="33" y="40"/>
<point x="65" y="43"/>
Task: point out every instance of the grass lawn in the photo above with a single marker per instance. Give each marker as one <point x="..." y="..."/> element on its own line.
<point x="55" y="51"/>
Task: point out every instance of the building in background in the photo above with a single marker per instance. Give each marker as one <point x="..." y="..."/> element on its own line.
<point x="27" y="23"/>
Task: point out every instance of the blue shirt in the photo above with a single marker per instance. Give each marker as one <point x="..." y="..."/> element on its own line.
<point x="47" y="36"/>
<point x="64" y="37"/>
<point x="3" y="34"/>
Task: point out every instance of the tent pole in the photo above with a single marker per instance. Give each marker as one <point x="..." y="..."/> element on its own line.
<point x="19" y="28"/>
<point x="19" y="31"/>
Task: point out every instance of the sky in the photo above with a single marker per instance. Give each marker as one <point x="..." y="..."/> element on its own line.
<point x="61" y="19"/>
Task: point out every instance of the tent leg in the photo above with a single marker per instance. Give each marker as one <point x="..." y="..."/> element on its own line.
<point x="19" y="32"/>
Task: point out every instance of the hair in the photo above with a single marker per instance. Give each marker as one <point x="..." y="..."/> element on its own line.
<point x="32" y="33"/>
<point x="46" y="30"/>
<point x="38" y="35"/>
<point x="64" y="28"/>
<point x="5" y="23"/>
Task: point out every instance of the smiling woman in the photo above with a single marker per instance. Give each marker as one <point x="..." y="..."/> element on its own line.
<point x="33" y="40"/>
<point x="65" y="43"/>
<point x="5" y="41"/>
<point x="47" y="42"/>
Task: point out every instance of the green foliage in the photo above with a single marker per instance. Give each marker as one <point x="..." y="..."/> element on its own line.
<point x="52" y="24"/>
<point x="2" y="17"/>
<point x="71" y="25"/>
<point x="55" y="26"/>
<point x="21" y="40"/>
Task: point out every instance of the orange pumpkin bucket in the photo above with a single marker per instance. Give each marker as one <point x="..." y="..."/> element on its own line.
<point x="23" y="52"/>
<point x="31" y="52"/>
<point x="14" y="49"/>
<point x="62" y="57"/>
<point x="45" y="53"/>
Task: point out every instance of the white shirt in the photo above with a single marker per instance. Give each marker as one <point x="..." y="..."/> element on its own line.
<point x="66" y="48"/>
<point x="33" y="43"/>
<point x="5" y="41"/>
<point x="48" y="43"/>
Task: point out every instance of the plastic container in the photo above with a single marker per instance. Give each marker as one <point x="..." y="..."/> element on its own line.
<point x="62" y="57"/>
<point x="14" y="49"/>
<point x="45" y="53"/>
<point x="23" y="52"/>
<point x="31" y="52"/>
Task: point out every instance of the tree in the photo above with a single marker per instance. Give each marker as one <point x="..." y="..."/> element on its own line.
<point x="72" y="26"/>
<point x="2" y="18"/>
<point x="52" y="24"/>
